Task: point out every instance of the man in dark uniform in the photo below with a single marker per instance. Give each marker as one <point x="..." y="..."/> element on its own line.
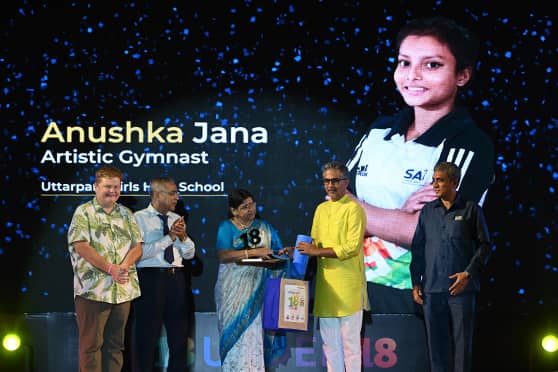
<point x="450" y="248"/>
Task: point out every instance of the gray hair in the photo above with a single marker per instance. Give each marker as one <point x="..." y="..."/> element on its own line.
<point x="334" y="164"/>
<point x="452" y="170"/>
<point x="158" y="184"/>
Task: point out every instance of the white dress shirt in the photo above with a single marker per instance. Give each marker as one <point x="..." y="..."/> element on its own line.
<point x="154" y="242"/>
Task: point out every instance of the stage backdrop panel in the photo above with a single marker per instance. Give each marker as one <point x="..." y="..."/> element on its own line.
<point x="394" y="343"/>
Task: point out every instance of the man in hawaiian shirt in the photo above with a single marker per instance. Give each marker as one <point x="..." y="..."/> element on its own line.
<point x="104" y="243"/>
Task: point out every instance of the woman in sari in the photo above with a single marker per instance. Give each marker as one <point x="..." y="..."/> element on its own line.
<point x="239" y="291"/>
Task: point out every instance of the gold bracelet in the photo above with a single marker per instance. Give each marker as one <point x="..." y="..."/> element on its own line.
<point x="246" y="253"/>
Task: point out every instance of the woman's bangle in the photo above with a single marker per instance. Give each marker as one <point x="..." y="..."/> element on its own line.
<point x="109" y="269"/>
<point x="246" y="253"/>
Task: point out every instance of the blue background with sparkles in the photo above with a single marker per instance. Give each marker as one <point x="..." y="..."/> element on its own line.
<point x="314" y="73"/>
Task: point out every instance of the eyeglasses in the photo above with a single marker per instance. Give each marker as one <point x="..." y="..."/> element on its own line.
<point x="171" y="193"/>
<point x="333" y="181"/>
<point x="246" y="206"/>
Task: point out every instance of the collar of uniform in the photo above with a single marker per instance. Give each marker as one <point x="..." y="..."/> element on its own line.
<point x="458" y="203"/>
<point x="448" y="125"/>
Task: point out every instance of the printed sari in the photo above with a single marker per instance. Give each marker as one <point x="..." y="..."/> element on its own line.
<point x="239" y="293"/>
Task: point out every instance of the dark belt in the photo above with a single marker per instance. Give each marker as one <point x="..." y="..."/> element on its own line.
<point x="168" y="270"/>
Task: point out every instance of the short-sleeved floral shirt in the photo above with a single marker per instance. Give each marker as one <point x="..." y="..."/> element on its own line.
<point x="111" y="235"/>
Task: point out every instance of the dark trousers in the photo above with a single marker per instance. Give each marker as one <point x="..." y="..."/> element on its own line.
<point x="162" y="302"/>
<point x="101" y="328"/>
<point x="450" y="321"/>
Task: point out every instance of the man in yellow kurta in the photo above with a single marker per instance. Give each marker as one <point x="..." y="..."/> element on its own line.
<point x="337" y="233"/>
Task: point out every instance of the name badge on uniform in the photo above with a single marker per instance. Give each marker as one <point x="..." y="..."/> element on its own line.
<point x="458" y="218"/>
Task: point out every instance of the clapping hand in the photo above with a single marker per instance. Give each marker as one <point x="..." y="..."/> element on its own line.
<point x="178" y="229"/>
